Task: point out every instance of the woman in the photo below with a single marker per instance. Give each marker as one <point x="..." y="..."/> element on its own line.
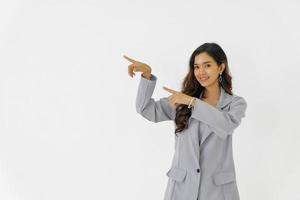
<point x="206" y="113"/>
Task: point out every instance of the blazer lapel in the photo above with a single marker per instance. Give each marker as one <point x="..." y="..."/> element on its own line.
<point x="224" y="99"/>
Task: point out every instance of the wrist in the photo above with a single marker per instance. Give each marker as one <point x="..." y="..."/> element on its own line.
<point x="147" y="74"/>
<point x="192" y="102"/>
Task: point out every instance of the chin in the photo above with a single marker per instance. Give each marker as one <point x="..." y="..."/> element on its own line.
<point x="204" y="84"/>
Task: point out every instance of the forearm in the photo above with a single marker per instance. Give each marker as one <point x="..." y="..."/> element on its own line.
<point x="146" y="105"/>
<point x="221" y="122"/>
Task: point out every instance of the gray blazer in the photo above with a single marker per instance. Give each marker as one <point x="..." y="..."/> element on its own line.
<point x="202" y="167"/>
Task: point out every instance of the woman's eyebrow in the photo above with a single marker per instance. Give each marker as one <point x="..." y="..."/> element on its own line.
<point x="203" y="62"/>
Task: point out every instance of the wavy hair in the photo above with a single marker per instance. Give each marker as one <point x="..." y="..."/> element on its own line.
<point x="192" y="87"/>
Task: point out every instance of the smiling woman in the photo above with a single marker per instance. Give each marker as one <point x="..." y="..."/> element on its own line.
<point x="208" y="72"/>
<point x="206" y="113"/>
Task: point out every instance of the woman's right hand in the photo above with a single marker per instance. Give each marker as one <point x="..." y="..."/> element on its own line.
<point x="137" y="66"/>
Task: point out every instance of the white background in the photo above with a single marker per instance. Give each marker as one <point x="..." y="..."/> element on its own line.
<point x="68" y="124"/>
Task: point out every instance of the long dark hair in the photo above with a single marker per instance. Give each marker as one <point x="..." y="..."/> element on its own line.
<point x="192" y="87"/>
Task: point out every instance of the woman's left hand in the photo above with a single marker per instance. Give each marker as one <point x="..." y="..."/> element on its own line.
<point x="178" y="97"/>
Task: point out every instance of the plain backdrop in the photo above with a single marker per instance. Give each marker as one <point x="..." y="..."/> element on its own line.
<point x="68" y="124"/>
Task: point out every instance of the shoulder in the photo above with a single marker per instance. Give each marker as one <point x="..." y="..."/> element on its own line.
<point x="238" y="102"/>
<point x="237" y="98"/>
<point x="233" y="98"/>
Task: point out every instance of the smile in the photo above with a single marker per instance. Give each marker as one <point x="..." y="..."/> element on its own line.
<point x="203" y="79"/>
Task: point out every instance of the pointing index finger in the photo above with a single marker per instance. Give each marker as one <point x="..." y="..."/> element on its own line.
<point x="129" y="59"/>
<point x="169" y="90"/>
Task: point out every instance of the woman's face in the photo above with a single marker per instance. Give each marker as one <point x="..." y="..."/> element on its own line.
<point x="206" y="70"/>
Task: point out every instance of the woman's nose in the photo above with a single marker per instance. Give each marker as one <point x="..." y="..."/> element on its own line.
<point x="201" y="71"/>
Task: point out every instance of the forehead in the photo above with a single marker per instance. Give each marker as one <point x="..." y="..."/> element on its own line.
<point x="203" y="58"/>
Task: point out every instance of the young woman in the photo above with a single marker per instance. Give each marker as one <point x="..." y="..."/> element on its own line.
<point x="206" y="112"/>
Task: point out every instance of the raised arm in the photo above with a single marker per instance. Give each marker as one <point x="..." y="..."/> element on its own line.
<point x="155" y="111"/>
<point x="222" y="123"/>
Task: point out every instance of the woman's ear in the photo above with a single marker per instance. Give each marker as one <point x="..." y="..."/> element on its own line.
<point x="222" y="67"/>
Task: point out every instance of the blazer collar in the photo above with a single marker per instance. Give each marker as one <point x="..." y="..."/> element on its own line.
<point x="224" y="98"/>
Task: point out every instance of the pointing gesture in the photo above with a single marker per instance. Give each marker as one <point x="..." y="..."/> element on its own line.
<point x="170" y="90"/>
<point x="178" y="97"/>
<point x="137" y="66"/>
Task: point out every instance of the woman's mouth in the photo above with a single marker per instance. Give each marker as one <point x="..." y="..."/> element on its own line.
<point x="204" y="79"/>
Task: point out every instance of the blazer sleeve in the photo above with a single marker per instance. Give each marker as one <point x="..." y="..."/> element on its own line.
<point x="223" y="123"/>
<point x="148" y="107"/>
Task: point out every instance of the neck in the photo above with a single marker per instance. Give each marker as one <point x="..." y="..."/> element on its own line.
<point x="212" y="92"/>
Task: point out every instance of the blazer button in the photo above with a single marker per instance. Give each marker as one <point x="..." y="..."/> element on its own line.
<point x="198" y="170"/>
